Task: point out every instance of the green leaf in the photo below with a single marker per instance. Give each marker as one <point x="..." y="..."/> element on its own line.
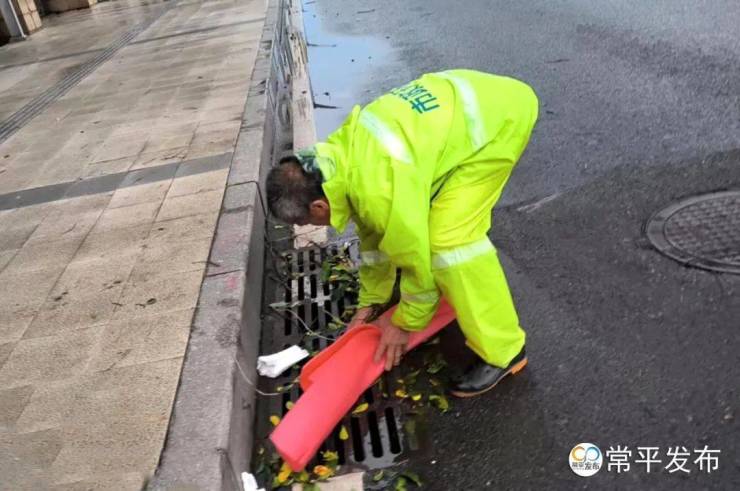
<point x="401" y="484"/>
<point x="413" y="477"/>
<point x="437" y="364"/>
<point x="379" y="476"/>
<point x="440" y="401"/>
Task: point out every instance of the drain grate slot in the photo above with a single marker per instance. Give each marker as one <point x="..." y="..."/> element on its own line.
<point x="307" y="303"/>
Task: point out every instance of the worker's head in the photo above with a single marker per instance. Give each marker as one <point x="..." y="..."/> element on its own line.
<point x="295" y="195"/>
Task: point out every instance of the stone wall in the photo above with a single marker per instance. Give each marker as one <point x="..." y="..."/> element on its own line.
<point x="28" y="15"/>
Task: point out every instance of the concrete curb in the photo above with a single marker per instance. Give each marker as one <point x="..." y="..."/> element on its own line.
<point x="209" y="439"/>
<point x="304" y="130"/>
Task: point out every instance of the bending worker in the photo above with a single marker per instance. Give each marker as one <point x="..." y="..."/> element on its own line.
<point x="418" y="170"/>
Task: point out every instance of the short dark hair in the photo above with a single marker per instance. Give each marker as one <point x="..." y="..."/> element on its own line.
<point x="291" y="190"/>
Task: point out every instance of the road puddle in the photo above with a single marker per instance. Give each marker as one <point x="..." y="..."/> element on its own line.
<point x="339" y="66"/>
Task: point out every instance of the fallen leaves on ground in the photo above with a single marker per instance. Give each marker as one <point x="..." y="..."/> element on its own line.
<point x="361" y="408"/>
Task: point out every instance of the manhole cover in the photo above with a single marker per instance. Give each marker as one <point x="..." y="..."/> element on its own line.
<point x="703" y="231"/>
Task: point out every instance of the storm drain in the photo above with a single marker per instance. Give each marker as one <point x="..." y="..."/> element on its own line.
<point x="703" y="231"/>
<point x="305" y="302"/>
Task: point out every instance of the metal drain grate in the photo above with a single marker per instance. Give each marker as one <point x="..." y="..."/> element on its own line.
<point x="375" y="436"/>
<point x="703" y="231"/>
<point x="29" y="111"/>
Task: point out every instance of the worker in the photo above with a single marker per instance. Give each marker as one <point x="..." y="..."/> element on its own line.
<point x="418" y="171"/>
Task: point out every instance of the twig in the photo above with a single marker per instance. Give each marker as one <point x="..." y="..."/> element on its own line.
<point x="256" y="389"/>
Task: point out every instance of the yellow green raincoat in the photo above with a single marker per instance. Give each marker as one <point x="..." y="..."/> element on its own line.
<point x="419" y="170"/>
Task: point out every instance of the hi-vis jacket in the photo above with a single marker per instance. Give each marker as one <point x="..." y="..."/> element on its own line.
<point x="383" y="167"/>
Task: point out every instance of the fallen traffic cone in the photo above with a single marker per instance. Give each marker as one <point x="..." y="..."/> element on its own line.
<point x="333" y="381"/>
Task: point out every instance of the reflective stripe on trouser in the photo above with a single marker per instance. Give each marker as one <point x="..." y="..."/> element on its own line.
<point x="466" y="270"/>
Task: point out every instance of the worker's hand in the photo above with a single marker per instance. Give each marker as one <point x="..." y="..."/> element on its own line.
<point x="360" y="317"/>
<point x="393" y="343"/>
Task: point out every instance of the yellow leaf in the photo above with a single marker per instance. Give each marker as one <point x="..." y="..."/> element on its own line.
<point x="330" y="456"/>
<point x="322" y="471"/>
<point x="361" y="408"/>
<point x="285" y="472"/>
<point x="343" y="434"/>
<point x="400" y="393"/>
<point x="289" y="405"/>
<point x="275" y="420"/>
<point x="416" y="397"/>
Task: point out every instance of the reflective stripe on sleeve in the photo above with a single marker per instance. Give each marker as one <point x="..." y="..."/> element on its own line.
<point x="471" y="109"/>
<point x="459" y="255"/>
<point x="371" y="258"/>
<point x="393" y="144"/>
<point x="430" y="296"/>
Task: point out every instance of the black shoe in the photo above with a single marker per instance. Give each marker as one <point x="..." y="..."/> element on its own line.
<point x="482" y="377"/>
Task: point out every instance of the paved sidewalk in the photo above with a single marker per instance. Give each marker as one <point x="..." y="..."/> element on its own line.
<point x="108" y="201"/>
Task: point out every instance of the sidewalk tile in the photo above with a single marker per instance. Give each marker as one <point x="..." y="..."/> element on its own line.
<point x="6" y="256"/>
<point x="58" y="315"/>
<point x="187" y="228"/>
<point x="118" y="148"/>
<point x="162" y="294"/>
<point x="12" y="403"/>
<point x="114" y="245"/>
<point x="198" y="183"/>
<point x="5" y="349"/>
<point x="191" y="204"/>
<point x="87" y="279"/>
<point x="143" y="193"/>
<point x="142" y="340"/>
<point x="160" y="157"/>
<point x="43" y="255"/>
<point x="128" y="216"/>
<point x="130" y="481"/>
<point x="168" y="137"/>
<point x="120" y="422"/>
<point x="27" y="290"/>
<point x="48" y="358"/>
<point x="165" y="258"/>
<point x="13" y="324"/>
<point x="97" y="169"/>
<point x="37" y="449"/>
<point x="14" y="238"/>
<point x="60" y="224"/>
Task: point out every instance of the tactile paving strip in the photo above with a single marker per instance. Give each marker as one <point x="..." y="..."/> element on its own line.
<point x="703" y="231"/>
<point x="33" y="108"/>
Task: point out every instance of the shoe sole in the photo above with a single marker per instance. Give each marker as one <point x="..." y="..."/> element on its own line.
<point x="511" y="371"/>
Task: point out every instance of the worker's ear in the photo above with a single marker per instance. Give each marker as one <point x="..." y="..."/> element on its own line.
<point x="320" y="212"/>
<point x="319" y="206"/>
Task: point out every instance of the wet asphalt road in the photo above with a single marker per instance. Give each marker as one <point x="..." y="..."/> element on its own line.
<point x="640" y="106"/>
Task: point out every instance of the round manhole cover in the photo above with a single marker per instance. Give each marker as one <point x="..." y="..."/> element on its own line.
<point x="703" y="231"/>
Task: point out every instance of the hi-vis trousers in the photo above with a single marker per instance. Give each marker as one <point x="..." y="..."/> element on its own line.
<point x="464" y="262"/>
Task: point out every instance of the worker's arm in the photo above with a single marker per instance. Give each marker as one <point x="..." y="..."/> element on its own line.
<point x="406" y="243"/>
<point x="377" y="273"/>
